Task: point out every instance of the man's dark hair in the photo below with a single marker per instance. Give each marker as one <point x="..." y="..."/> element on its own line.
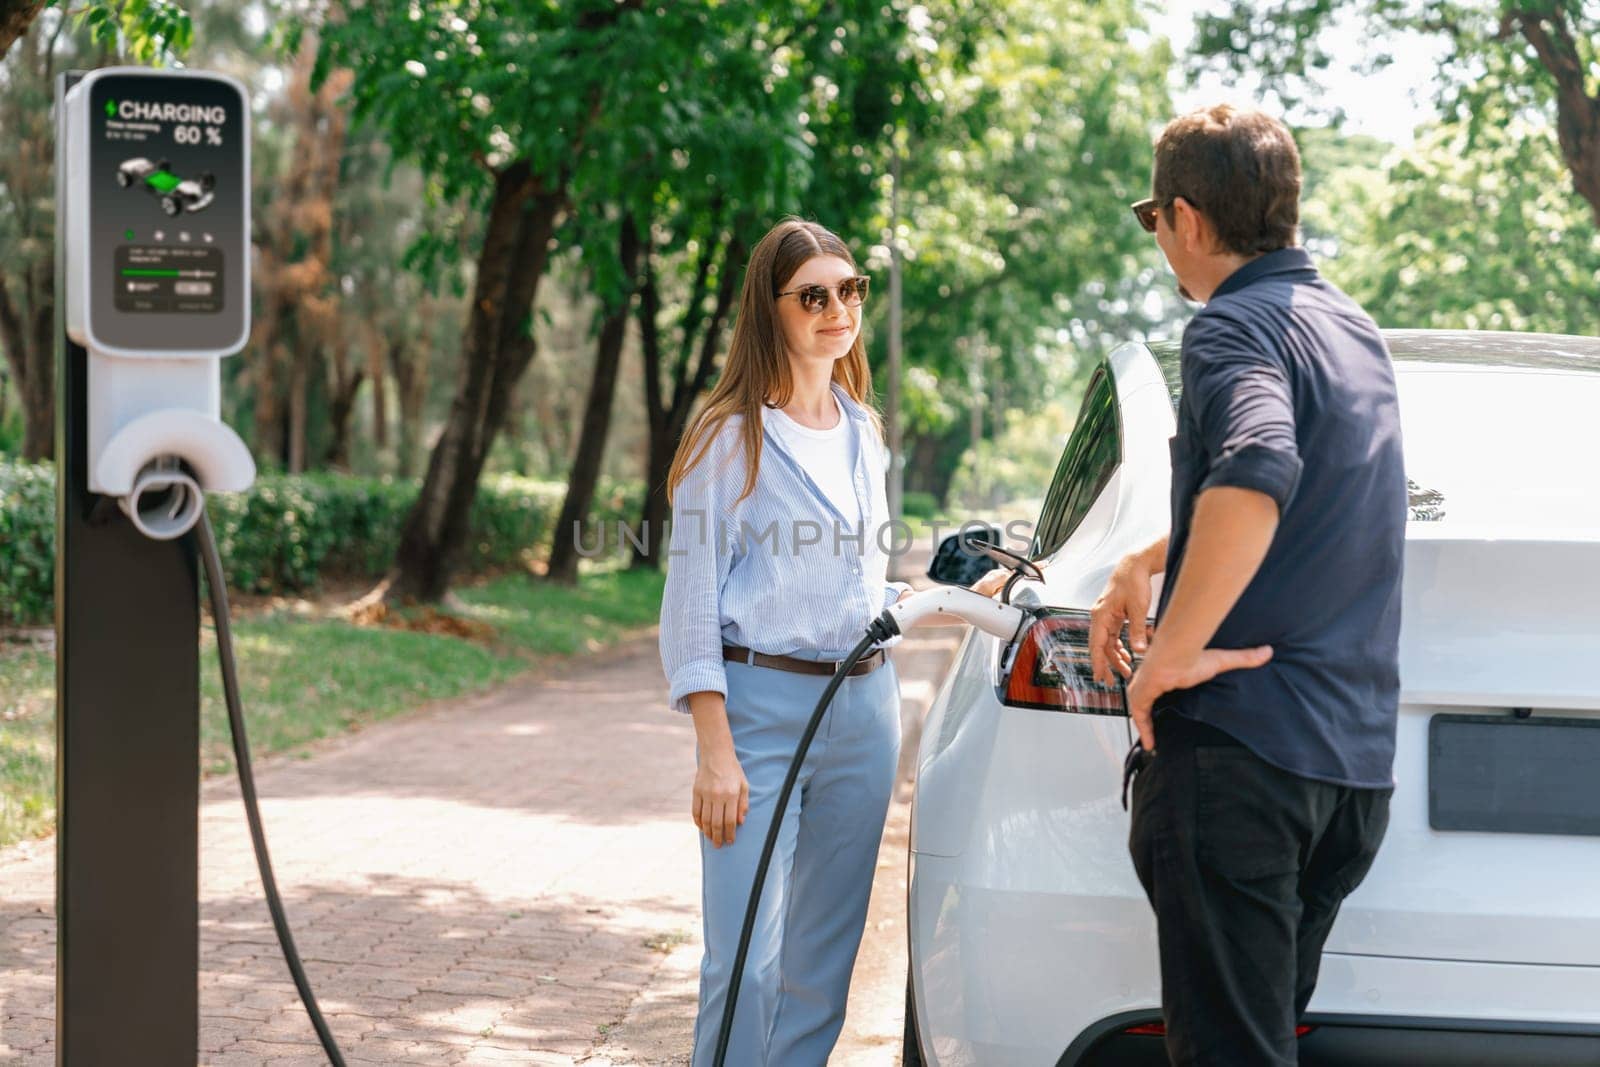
<point x="1240" y="168"/>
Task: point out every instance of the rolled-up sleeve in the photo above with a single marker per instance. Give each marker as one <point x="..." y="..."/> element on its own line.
<point x="1244" y="409"/>
<point x="892" y="591"/>
<point x="698" y="562"/>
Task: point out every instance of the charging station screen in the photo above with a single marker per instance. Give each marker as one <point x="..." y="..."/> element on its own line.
<point x="167" y="190"/>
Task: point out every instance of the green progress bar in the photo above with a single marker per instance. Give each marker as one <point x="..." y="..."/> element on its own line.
<point x="130" y="273"/>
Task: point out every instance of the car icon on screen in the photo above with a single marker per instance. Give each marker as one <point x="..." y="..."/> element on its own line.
<point x="190" y="195"/>
<point x="137" y="169"/>
<point x="176" y="194"/>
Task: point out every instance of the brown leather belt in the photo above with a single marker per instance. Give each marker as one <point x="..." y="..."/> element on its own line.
<point x="866" y="665"/>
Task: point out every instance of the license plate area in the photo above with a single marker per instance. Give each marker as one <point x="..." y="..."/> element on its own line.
<point x="1501" y="774"/>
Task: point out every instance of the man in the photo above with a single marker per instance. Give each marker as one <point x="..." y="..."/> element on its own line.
<point x="1266" y="700"/>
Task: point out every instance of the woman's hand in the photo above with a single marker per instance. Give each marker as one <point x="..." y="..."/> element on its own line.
<point x="993" y="582"/>
<point x="721" y="796"/>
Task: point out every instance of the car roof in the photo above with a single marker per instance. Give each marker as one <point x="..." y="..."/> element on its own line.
<point x="1464" y="349"/>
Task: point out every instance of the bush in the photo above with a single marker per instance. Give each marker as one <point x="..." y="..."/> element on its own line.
<point x="915" y="504"/>
<point x="27" y="541"/>
<point x="289" y="533"/>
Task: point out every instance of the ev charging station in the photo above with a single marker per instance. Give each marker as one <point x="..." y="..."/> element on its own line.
<point x="153" y="290"/>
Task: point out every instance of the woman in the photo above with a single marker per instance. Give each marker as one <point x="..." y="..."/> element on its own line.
<point x="774" y="570"/>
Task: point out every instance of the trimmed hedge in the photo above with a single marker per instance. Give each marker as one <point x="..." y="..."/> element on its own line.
<point x="287" y="534"/>
<point x="27" y="542"/>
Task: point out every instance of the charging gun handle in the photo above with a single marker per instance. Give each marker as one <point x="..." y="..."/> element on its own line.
<point x="987" y="614"/>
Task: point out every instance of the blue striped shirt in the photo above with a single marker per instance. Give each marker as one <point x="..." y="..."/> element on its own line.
<point x="782" y="571"/>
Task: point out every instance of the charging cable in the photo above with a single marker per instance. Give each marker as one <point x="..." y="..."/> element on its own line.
<point x="215" y="582"/>
<point x="996" y="617"/>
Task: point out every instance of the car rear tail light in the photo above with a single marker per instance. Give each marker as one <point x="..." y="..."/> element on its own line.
<point x="1051" y="669"/>
<point x="1160" y="1030"/>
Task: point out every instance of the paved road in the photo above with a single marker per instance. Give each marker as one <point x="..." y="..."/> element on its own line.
<point x="508" y="879"/>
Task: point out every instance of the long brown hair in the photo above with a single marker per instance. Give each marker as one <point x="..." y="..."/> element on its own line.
<point x="757" y="369"/>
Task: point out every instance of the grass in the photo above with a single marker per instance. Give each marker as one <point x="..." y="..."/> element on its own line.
<point x="305" y="678"/>
<point x="27" y="744"/>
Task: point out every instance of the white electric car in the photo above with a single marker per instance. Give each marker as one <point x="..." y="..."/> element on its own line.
<point x="1475" y="940"/>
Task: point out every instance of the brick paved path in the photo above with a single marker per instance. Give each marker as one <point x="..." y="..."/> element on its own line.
<point x="507" y="879"/>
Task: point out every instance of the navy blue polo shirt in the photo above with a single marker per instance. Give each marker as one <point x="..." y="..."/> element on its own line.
<point x="1288" y="389"/>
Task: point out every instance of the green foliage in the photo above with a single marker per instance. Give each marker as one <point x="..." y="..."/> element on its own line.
<point x="10" y="429"/>
<point x="925" y="408"/>
<point x="1015" y="467"/>
<point x="147" y="31"/>
<point x="1021" y="257"/>
<point x="1473" y="230"/>
<point x="1541" y="56"/>
<point x="27" y="541"/>
<point x="1341" y="176"/>
<point x="915" y="504"/>
<point x="288" y="534"/>
<point x="575" y="91"/>
<point x="27" y="743"/>
<point x="1016" y="222"/>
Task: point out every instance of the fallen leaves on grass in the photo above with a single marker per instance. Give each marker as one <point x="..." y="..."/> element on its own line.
<point x="425" y="620"/>
<point x="433" y="621"/>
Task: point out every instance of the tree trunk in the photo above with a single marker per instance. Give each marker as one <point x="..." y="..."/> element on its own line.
<point x="380" y="398"/>
<point x="933" y="460"/>
<point x="668" y="416"/>
<point x="648" y="550"/>
<point x="266" y="372"/>
<point x="345" y="385"/>
<point x="299" y="307"/>
<point x="299" y="373"/>
<point x="27" y="269"/>
<point x="563" y="566"/>
<point x="28" y="336"/>
<point x="496" y="349"/>
<point x="39" y="436"/>
<point x="15" y="17"/>
<point x="1577" y="111"/>
<point x="410" y="375"/>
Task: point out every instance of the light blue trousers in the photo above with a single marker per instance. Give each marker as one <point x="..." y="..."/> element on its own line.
<point x="814" y="904"/>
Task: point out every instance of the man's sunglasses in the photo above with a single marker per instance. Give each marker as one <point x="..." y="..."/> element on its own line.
<point x="814" y="298"/>
<point x="1145" y="211"/>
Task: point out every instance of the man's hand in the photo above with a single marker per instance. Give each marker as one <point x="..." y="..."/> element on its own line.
<point x="1125" y="600"/>
<point x="1157" y="676"/>
<point x="1229" y="537"/>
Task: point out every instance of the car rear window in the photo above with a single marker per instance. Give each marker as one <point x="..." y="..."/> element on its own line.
<point x="1091" y="456"/>
<point x="1509" y="449"/>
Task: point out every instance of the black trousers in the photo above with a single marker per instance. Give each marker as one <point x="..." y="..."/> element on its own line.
<point x="1245" y="865"/>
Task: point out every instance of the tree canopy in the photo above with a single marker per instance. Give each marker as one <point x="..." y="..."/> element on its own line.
<point x="1505" y="56"/>
<point x="1470" y="229"/>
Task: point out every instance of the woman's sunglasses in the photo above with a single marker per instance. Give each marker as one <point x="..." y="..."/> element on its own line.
<point x="814" y="298"/>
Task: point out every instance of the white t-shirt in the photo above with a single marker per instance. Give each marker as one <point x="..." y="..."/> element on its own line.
<point x="827" y="456"/>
